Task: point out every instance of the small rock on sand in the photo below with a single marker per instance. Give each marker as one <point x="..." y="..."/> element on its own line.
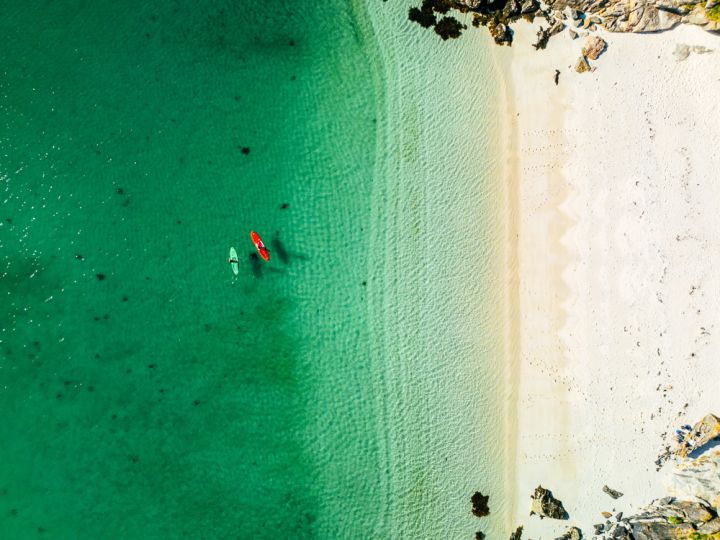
<point x="613" y="493"/>
<point x="594" y="47"/>
<point x="582" y="65"/>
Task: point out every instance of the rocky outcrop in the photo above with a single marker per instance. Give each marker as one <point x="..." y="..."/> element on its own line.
<point x="692" y="514"/>
<point x="613" y="15"/>
<point x="573" y="533"/>
<point x="645" y="15"/>
<point x="545" y="505"/>
<point x="699" y="477"/>
<point x="480" y="504"/>
<point x="700" y="435"/>
<point x="664" y="519"/>
<point x="517" y="535"/>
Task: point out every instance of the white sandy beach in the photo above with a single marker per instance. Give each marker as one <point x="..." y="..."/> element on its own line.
<point x="614" y="180"/>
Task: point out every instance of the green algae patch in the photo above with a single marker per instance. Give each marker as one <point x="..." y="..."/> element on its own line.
<point x="713" y="14"/>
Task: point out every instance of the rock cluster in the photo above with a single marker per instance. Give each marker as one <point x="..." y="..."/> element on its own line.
<point x="700" y="435"/>
<point x="426" y="16"/>
<point x="573" y="533"/>
<point x="593" y="48"/>
<point x="693" y="512"/>
<point x="699" y="477"/>
<point x="613" y="15"/>
<point x="545" y="505"/>
<point x="646" y="15"/>
<point x="664" y="519"/>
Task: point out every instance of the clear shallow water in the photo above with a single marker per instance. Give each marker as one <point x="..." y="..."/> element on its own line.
<point x="350" y="388"/>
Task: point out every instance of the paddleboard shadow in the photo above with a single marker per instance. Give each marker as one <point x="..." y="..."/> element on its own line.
<point x="283" y="254"/>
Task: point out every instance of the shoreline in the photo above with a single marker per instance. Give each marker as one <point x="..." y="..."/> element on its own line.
<point x="436" y="308"/>
<point x="584" y="271"/>
<point x="510" y="177"/>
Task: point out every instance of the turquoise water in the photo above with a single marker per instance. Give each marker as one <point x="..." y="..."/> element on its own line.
<point x="352" y="387"/>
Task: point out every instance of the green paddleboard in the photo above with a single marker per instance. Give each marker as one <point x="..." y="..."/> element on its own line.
<point x="235" y="266"/>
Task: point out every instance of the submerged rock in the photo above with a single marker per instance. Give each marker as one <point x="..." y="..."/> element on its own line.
<point x="424" y="17"/>
<point x="449" y="28"/>
<point x="517" y="535"/>
<point x="545" y="505"/>
<point x="480" y="504"/>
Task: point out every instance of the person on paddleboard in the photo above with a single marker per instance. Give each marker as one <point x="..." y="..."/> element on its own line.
<point x="261" y="249"/>
<point x="232" y="260"/>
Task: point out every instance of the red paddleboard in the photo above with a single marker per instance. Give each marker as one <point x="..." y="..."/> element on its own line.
<point x="262" y="250"/>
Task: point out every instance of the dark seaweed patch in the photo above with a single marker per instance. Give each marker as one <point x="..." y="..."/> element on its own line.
<point x="449" y="28"/>
<point x="423" y="16"/>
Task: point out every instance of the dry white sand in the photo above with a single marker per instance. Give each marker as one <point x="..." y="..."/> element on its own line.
<point x="614" y="180"/>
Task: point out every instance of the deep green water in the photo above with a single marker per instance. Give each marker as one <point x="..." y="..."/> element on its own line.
<point x="345" y="389"/>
